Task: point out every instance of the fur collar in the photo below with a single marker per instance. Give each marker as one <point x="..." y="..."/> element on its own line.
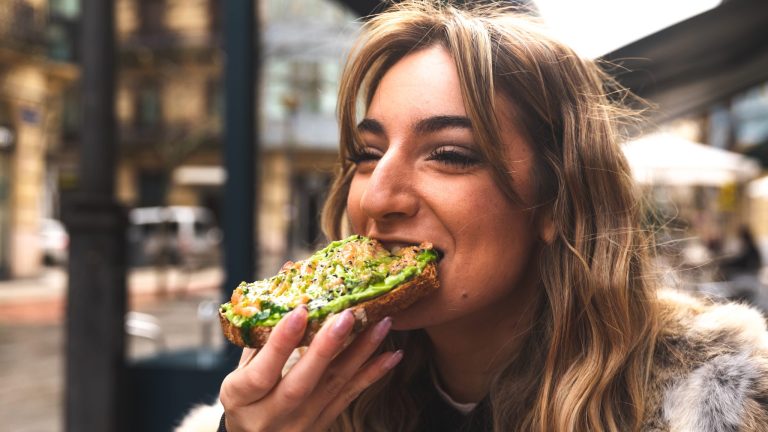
<point x="711" y="368"/>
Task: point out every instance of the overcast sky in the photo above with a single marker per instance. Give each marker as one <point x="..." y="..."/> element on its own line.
<point x="596" y="27"/>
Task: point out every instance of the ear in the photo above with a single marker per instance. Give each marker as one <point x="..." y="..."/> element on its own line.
<point x="546" y="226"/>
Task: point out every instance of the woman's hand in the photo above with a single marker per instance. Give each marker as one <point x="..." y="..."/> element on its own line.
<point x="317" y="389"/>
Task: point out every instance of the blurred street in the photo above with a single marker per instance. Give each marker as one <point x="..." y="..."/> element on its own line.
<point x="32" y="336"/>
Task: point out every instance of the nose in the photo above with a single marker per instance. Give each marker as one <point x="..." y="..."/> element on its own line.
<point x="389" y="194"/>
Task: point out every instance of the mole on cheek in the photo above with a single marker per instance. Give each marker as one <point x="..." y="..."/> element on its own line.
<point x="464" y="295"/>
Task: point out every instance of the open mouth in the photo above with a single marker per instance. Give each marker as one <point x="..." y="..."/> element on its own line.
<point x="440" y="254"/>
<point x="394" y="247"/>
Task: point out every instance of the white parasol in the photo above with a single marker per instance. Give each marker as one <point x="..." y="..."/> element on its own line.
<point x="666" y="159"/>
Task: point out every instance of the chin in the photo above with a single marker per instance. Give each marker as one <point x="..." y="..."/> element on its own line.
<point x="423" y="313"/>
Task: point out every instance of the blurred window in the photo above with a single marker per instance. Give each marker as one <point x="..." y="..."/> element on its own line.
<point x="277" y="85"/>
<point x="314" y="84"/>
<point x="152" y="14"/>
<point x="330" y="72"/>
<point x="62" y="29"/>
<point x="306" y="79"/>
<point x="59" y="43"/>
<point x="215" y="98"/>
<point x="152" y="188"/>
<point x="70" y="113"/>
<point x="750" y="115"/>
<point x="64" y="8"/>
<point x="148" y="109"/>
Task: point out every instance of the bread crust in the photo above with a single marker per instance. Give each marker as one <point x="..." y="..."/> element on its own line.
<point x="366" y="313"/>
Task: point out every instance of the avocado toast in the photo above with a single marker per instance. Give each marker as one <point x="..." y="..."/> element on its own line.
<point x="356" y="273"/>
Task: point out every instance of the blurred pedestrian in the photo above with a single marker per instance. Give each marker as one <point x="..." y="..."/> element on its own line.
<point x="500" y="145"/>
<point x="747" y="261"/>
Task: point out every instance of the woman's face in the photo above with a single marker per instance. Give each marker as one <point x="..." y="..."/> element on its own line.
<point x="421" y="178"/>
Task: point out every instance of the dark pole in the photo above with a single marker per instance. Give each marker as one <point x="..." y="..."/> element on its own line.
<point x="240" y="145"/>
<point x="97" y="298"/>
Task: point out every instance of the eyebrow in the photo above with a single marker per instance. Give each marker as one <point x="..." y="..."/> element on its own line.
<point x="370" y="125"/>
<point x="423" y="126"/>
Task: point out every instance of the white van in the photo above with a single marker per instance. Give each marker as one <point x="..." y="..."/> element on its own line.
<point x="175" y="235"/>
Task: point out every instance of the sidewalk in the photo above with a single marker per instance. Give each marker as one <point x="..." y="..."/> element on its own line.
<point x="43" y="299"/>
<point x="32" y="355"/>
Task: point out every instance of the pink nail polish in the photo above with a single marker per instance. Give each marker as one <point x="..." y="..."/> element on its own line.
<point x="296" y="319"/>
<point x="381" y="329"/>
<point x="342" y="324"/>
<point x="393" y="360"/>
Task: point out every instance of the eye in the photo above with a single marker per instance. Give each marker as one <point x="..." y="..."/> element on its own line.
<point x="454" y="156"/>
<point x="366" y="154"/>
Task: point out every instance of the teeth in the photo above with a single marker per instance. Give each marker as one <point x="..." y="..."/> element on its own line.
<point x="395" y="249"/>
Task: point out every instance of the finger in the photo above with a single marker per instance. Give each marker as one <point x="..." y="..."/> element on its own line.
<point x="364" y="378"/>
<point x="247" y="356"/>
<point x="253" y="381"/>
<point x="299" y="383"/>
<point x="347" y="364"/>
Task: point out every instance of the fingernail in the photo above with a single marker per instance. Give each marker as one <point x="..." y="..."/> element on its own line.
<point x="381" y="329"/>
<point x="297" y="318"/>
<point x="394" y="359"/>
<point x="342" y="324"/>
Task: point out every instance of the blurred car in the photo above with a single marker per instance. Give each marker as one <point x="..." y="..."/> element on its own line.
<point x="54" y="242"/>
<point x="175" y="235"/>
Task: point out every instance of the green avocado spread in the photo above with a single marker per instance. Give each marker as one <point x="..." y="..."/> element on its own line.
<point x="344" y="273"/>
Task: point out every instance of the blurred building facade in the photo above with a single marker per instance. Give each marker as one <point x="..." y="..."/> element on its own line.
<point x="37" y="52"/>
<point x="169" y="106"/>
<point x="170" y="109"/>
<point x="168" y="100"/>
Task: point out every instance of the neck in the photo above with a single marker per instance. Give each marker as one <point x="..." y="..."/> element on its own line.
<point x="469" y="352"/>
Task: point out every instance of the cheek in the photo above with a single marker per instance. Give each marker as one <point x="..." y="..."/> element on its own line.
<point x="354" y="212"/>
<point x="494" y="245"/>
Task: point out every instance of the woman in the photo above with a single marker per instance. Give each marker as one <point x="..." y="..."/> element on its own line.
<point x="500" y="146"/>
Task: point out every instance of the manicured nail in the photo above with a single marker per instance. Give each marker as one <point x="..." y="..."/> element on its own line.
<point x="393" y="360"/>
<point x="297" y="318"/>
<point x="342" y="324"/>
<point x="381" y="329"/>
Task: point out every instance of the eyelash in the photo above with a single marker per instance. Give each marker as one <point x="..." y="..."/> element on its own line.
<point x="363" y="155"/>
<point x="443" y="155"/>
<point x="452" y="157"/>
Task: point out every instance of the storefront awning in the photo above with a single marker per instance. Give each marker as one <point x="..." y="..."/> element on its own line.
<point x="700" y="61"/>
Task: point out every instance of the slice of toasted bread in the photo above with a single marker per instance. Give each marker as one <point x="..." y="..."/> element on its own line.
<point x="366" y="313"/>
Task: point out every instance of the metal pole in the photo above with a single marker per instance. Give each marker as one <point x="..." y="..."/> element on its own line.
<point x="240" y="146"/>
<point x="95" y="351"/>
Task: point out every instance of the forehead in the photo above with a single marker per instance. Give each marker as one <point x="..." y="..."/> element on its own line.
<point x="420" y="84"/>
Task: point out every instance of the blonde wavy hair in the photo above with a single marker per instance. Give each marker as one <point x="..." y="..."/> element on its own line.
<point x="597" y="314"/>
